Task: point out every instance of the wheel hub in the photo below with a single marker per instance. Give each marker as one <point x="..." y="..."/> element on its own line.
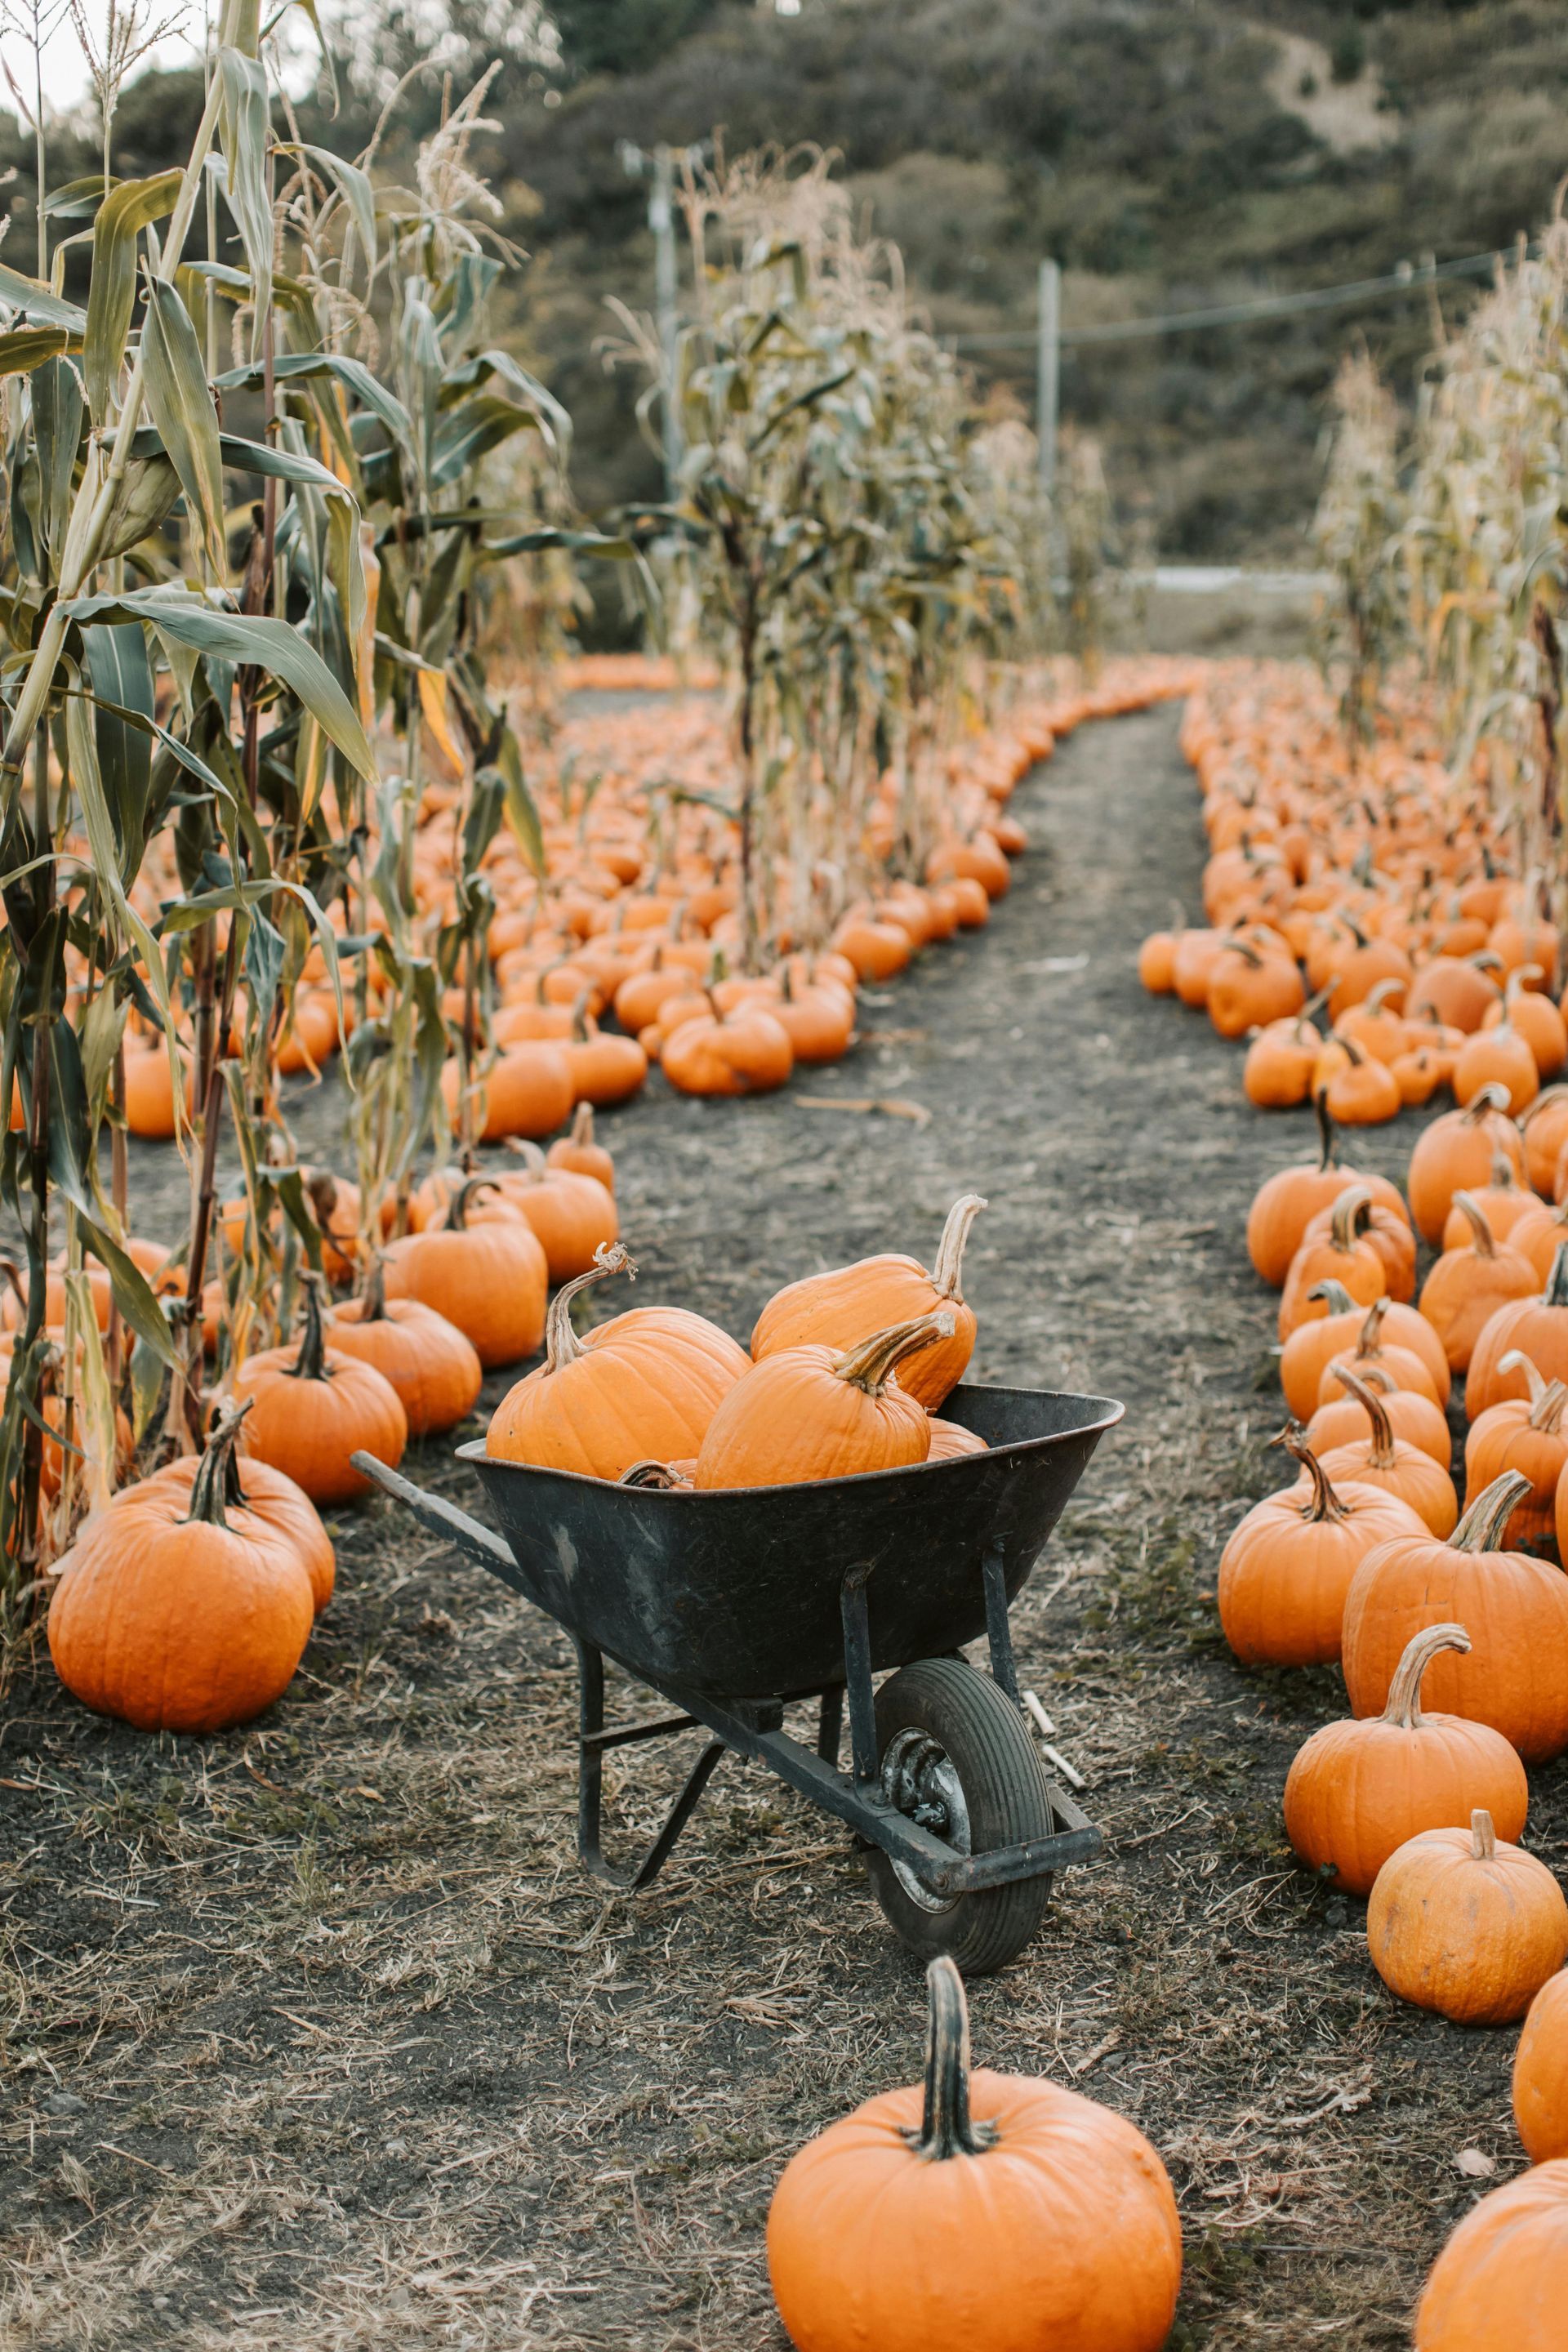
<point x="919" y="1781"/>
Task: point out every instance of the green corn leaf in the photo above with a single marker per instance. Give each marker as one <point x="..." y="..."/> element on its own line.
<point x="242" y="135"/>
<point x="188" y="621"/>
<point x="182" y="410"/>
<point x="130" y="208"/>
<point x="22" y="349"/>
<point x="304" y="367"/>
<point x="30" y="300"/>
<point x="352" y="184"/>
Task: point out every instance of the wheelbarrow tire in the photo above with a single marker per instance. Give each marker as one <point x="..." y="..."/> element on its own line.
<point x="985" y="1745"/>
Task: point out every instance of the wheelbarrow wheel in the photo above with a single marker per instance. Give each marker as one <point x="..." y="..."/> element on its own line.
<point x="957" y="1757"/>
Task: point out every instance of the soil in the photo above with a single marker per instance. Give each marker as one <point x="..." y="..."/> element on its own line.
<point x="317" y="2033"/>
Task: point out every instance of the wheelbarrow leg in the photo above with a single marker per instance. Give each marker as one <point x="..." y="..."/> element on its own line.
<point x="591" y="1745"/>
<point x="998" y="1633"/>
<point x="830" y="1724"/>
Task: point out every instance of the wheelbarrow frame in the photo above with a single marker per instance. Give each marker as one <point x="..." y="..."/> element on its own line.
<point x="754" y="1726"/>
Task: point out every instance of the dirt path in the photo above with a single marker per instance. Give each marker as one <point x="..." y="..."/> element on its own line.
<point x="323" y="2039"/>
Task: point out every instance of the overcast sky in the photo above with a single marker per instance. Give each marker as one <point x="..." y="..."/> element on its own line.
<point x="66" y="79"/>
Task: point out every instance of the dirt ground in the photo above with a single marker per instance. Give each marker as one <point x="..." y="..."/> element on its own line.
<point x="316" y="2036"/>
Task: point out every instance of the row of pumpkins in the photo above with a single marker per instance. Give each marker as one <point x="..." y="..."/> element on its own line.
<point x="635" y="922"/>
<point x="1380" y="892"/>
<point x="1364" y="929"/>
<point x="185" y="1603"/>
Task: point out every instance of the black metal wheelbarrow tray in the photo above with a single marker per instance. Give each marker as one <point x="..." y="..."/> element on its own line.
<point x="736" y="1603"/>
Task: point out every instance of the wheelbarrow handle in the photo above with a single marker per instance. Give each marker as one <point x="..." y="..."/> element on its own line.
<point x="440" y="1517"/>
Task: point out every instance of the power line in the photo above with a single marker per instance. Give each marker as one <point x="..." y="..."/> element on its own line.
<point x="1271" y="306"/>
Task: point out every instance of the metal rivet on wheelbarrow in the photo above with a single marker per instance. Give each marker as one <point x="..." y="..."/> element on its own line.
<point x="734" y="1604"/>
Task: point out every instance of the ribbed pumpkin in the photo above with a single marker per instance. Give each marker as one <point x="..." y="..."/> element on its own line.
<point x="175" y="1615"/>
<point x="1455" y="1155"/>
<point x="1540" y="2075"/>
<point x="490" y="1276"/>
<point x="1381" y="1459"/>
<point x="642" y="1388"/>
<point x="271" y="1496"/>
<point x="1358" y="1790"/>
<point x="1504" y="1201"/>
<point x="809" y="1412"/>
<point x="1528" y="1436"/>
<point x="1545" y="1130"/>
<point x="574" y="1215"/>
<point x="1538" y="1234"/>
<point x="835" y="1310"/>
<point x="1286" y="1203"/>
<point x="987" y="2213"/>
<point x="1467" y="1287"/>
<point x="580" y="1152"/>
<point x="1536" y="1328"/>
<point x="1515" y="1609"/>
<point x="314" y="1407"/>
<point x="1390" y="1234"/>
<point x="1464" y="1925"/>
<point x="1424" y="1374"/>
<point x="433" y="1365"/>
<point x="948" y="1443"/>
<point x="1500" y="2284"/>
<point x="1308" y="1354"/>
<point x="1286" y="1570"/>
<point x="1344" y="1256"/>
<point x="1412" y="1414"/>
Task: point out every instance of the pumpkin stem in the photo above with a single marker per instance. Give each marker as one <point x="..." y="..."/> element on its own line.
<point x="1369" y="1340"/>
<point x="651" y="1473"/>
<point x="1548" y="1095"/>
<point x="562" y="1345"/>
<point x="870" y="1365"/>
<point x="1485" y="1100"/>
<point x="1350" y="1215"/>
<point x="1381" y="1454"/>
<point x="1324" y="1503"/>
<point x="1481" y="1238"/>
<point x="947" y="1275"/>
<point x="1547" y="1398"/>
<point x="1481" y="1527"/>
<point x="210" y="1489"/>
<point x="1328" y="1144"/>
<point x="1404" y="1709"/>
<point x="1503" y="1177"/>
<point x="374" y="1292"/>
<point x="1516" y="1361"/>
<point x="457" y="1206"/>
<point x="580" y="1017"/>
<point x="583" y="1124"/>
<point x="1376" y="997"/>
<point x="947" y="2129"/>
<point x="311" y="1364"/>
<point x="535" y="1167"/>
<point x="1483" y="1836"/>
<point x="1556" y="1291"/>
<point x="1338" y="1298"/>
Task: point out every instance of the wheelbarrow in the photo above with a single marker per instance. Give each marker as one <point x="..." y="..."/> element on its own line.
<point x="736" y="1603"/>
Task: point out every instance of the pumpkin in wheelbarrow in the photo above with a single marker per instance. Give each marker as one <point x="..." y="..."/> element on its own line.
<point x="985" y="2213"/>
<point x="841" y="1308"/>
<point x="809" y="1412"/>
<point x="643" y="1388"/>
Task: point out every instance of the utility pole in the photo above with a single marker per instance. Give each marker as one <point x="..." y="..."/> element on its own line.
<point x="1048" y="380"/>
<point x="659" y="167"/>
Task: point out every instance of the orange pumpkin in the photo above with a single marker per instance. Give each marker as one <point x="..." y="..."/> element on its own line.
<point x="1358" y="1790"/>
<point x="1381" y="1459"/>
<point x="1343" y="1256"/>
<point x="1455" y="1154"/>
<point x="573" y="1216"/>
<point x="314" y="1406"/>
<point x="1412" y="1414"/>
<point x="837" y="1309"/>
<point x="1286" y="1203"/>
<point x="1500" y="2284"/>
<point x="1527" y="1436"/>
<point x="745" y="1051"/>
<point x="1534" y="1328"/>
<point x="172" y="1616"/>
<point x="580" y="1152"/>
<point x="990" y="2212"/>
<point x="1466" y="1287"/>
<point x="1540" y="2075"/>
<point x="808" y="1413"/>
<point x="642" y="1388"/>
<point x="1462" y="1925"/>
<point x="433" y="1365"/>
<point x="488" y="1275"/>
<point x="1286" y="1570"/>
<point x="1515" y="1608"/>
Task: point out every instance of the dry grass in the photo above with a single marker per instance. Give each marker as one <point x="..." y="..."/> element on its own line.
<point x="316" y="2035"/>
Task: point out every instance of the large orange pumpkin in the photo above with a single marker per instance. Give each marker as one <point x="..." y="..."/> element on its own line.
<point x="314" y="1407"/>
<point x="434" y="1367"/>
<point x="1533" y="1328"/>
<point x="644" y="1387"/>
<point x="1468" y="1285"/>
<point x="985" y="2213"/>
<point x="1500" y="2284"/>
<point x="1358" y="1790"/>
<point x="1462" y="1924"/>
<point x="835" y="1310"/>
<point x="809" y="1412"/>
<point x="178" y="1619"/>
<point x="486" y="1274"/>
<point x="1515" y="1608"/>
<point x="574" y="1215"/>
<point x="1286" y="1570"/>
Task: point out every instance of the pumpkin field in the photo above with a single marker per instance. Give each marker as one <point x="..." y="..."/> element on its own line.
<point x="758" y="1308"/>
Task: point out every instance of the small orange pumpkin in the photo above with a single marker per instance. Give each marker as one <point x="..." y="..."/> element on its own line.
<point x="315" y="1406"/>
<point x="1381" y="1459"/>
<point x="1286" y="1568"/>
<point x="1462" y="1925"/>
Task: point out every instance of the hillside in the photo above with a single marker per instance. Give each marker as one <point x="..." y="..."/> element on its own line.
<point x="1168" y="155"/>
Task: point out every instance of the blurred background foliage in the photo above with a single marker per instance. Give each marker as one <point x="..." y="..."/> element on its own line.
<point x="1167" y="155"/>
